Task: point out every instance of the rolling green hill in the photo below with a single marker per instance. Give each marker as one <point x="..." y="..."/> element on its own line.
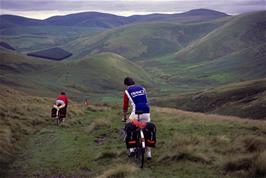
<point x="207" y="63"/>
<point x="243" y="31"/>
<point x="244" y="99"/>
<point x="31" y="38"/>
<point x="144" y="40"/>
<point x="245" y="64"/>
<point x="93" y="75"/>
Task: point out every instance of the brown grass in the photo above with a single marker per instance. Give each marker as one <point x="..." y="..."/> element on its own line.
<point x="182" y="148"/>
<point x="253" y="165"/>
<point x="119" y="171"/>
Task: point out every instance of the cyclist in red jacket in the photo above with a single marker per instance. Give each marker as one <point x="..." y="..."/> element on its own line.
<point x="61" y="101"/>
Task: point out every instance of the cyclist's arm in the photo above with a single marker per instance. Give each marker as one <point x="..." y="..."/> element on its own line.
<point x="125" y="105"/>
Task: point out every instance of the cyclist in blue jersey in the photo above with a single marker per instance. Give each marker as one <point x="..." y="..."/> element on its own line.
<point x="137" y="96"/>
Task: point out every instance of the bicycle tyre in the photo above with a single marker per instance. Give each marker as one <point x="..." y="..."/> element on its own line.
<point x="140" y="156"/>
<point x="57" y="121"/>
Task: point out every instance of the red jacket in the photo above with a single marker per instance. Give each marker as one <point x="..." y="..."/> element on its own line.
<point x="63" y="98"/>
<point x="125" y="102"/>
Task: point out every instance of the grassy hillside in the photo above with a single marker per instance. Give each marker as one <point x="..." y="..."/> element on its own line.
<point x="145" y="40"/>
<point x="246" y="64"/>
<point x="93" y="75"/>
<point x="244" y="31"/>
<point x="189" y="145"/>
<point x="22" y="115"/>
<point x="30" y="38"/>
<point x="207" y="63"/>
<point x="244" y="99"/>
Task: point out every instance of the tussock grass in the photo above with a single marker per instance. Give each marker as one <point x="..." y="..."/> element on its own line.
<point x="183" y="155"/>
<point x="246" y="157"/>
<point x="119" y="171"/>
<point x="254" y="143"/>
<point x="253" y="165"/>
<point x="107" y="155"/>
<point x="97" y="124"/>
<point x="259" y="164"/>
<point x="181" y="148"/>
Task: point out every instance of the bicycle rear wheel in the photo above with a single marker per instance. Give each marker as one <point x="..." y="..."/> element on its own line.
<point x="140" y="156"/>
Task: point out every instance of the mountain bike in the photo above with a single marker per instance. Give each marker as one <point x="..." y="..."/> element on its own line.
<point x="140" y="148"/>
<point x="58" y="117"/>
<point x="58" y="114"/>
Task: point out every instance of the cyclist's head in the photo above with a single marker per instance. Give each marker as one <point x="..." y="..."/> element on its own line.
<point x="128" y="81"/>
<point x="62" y="93"/>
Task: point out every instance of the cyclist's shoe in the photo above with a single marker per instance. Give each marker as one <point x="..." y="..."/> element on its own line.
<point x="131" y="154"/>
<point x="149" y="158"/>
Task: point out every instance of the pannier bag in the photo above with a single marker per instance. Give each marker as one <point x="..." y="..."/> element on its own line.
<point x="62" y="112"/>
<point x="150" y="134"/>
<point x="131" y="135"/>
<point x="53" y="112"/>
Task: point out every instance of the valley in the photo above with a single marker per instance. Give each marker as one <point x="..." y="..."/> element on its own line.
<point x="204" y="70"/>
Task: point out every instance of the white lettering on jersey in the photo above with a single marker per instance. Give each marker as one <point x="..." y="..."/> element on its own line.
<point x="138" y="93"/>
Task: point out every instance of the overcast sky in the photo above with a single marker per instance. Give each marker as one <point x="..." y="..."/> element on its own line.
<point x="42" y="9"/>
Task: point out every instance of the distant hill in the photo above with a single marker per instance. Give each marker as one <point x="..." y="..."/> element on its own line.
<point x="6" y="46"/>
<point x="52" y="53"/>
<point x="13" y="20"/>
<point x="143" y="40"/>
<point x="91" y="19"/>
<point x="192" y="16"/>
<point x="243" y="31"/>
<point x="103" y="20"/>
<point x="244" y="99"/>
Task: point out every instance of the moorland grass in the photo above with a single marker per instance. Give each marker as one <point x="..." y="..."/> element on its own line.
<point x="189" y="145"/>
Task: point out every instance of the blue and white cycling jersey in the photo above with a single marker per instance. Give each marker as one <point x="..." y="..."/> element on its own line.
<point x="138" y="99"/>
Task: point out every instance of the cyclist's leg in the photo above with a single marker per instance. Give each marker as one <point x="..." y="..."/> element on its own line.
<point x="148" y="153"/>
<point x="147" y="118"/>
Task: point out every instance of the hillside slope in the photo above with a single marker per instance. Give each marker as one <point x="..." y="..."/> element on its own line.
<point x="243" y="31"/>
<point x="244" y="99"/>
<point x="143" y="40"/>
<point x="102" y="73"/>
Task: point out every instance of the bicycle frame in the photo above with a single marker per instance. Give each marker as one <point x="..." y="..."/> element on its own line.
<point x="58" y="118"/>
